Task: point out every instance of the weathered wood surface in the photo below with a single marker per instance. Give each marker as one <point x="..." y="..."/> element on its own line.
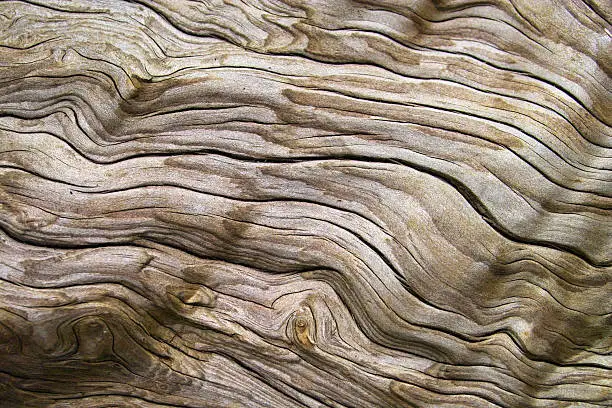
<point x="289" y="203"/>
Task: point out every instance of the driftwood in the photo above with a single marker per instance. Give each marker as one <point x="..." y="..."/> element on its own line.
<point x="289" y="203"/>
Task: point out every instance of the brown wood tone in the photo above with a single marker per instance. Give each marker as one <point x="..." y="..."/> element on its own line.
<point x="305" y="203"/>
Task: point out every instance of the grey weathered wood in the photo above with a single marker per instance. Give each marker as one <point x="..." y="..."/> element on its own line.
<point x="279" y="203"/>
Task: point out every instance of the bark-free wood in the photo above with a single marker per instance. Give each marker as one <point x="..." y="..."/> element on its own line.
<point x="290" y="203"/>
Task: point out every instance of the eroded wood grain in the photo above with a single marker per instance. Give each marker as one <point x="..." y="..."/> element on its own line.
<point x="301" y="203"/>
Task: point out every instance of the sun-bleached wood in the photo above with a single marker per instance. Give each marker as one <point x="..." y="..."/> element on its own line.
<point x="305" y="203"/>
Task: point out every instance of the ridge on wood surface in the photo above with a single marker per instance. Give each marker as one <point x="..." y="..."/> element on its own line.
<point x="305" y="203"/>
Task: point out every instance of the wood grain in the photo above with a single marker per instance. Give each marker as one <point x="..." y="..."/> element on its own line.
<point x="305" y="203"/>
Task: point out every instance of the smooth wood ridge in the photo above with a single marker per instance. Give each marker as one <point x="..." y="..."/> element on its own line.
<point x="305" y="203"/>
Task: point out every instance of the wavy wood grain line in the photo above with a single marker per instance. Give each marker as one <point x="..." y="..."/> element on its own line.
<point x="291" y="203"/>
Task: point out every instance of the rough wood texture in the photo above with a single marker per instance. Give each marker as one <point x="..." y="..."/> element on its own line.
<point x="320" y="203"/>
